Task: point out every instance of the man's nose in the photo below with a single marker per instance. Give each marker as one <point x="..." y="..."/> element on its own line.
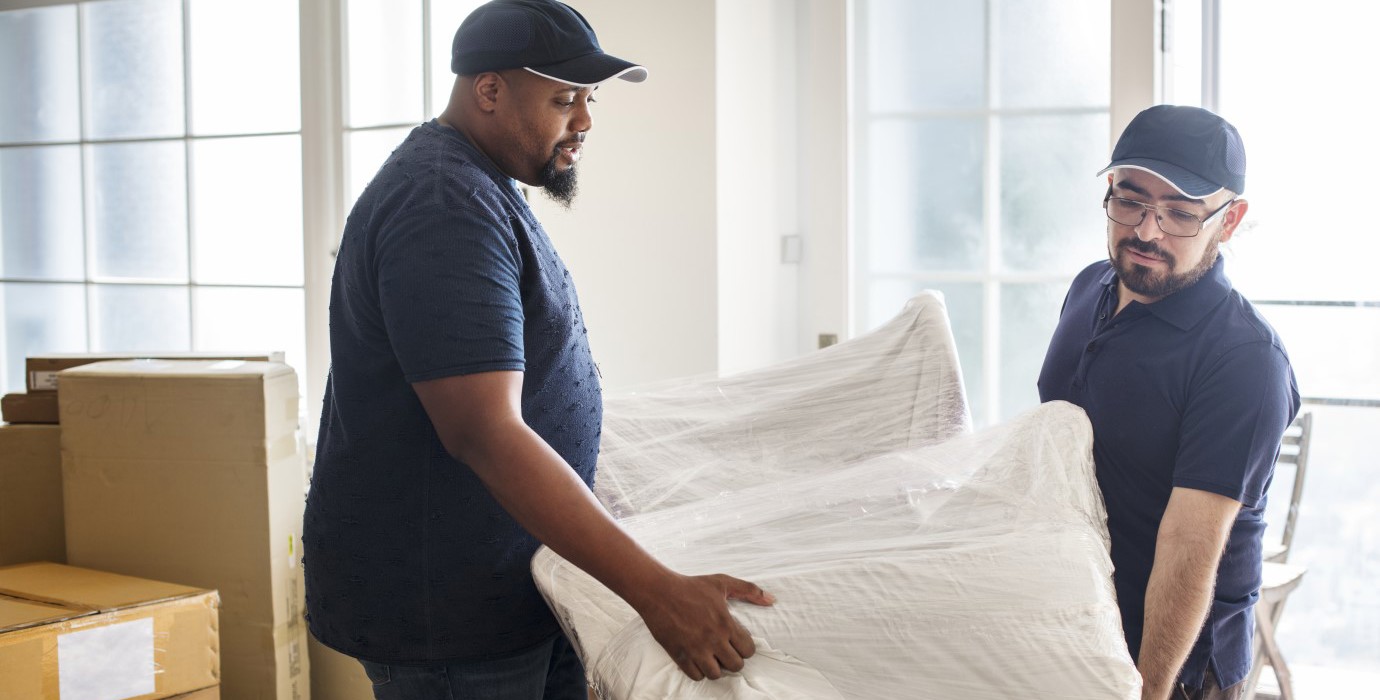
<point x="582" y="120"/>
<point x="1149" y="227"/>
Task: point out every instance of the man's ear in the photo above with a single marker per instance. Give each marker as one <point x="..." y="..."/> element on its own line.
<point x="1235" y="214"/>
<point x="486" y="88"/>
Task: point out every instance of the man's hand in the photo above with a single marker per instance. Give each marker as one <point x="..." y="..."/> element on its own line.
<point x="478" y="418"/>
<point x="689" y="617"/>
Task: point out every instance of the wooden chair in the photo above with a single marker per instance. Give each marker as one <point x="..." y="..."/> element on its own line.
<point x="1280" y="578"/>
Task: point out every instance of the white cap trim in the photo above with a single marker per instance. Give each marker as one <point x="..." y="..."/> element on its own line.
<point x="619" y="74"/>
<point x="1167" y="180"/>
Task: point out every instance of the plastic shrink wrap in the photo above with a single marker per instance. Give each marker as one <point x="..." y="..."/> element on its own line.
<point x="910" y="558"/>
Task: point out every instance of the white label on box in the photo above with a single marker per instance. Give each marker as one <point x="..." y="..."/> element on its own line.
<point x="113" y="662"/>
<point x="43" y="380"/>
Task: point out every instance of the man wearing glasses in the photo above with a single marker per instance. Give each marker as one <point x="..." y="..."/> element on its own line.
<point x="1189" y="391"/>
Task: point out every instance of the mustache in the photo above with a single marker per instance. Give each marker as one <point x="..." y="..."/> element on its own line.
<point x="1146" y="247"/>
<point x="579" y="139"/>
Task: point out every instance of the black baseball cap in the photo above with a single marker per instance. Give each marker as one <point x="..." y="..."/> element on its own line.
<point x="1194" y="150"/>
<point x="546" y="37"/>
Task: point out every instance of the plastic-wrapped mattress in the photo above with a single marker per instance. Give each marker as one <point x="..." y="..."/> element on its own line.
<point x="908" y="562"/>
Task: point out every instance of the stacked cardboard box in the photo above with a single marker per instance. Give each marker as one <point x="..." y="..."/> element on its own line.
<point x="31" y="524"/>
<point x="38" y="407"/>
<point x="40" y="403"/>
<point x="67" y="632"/>
<point x="192" y="471"/>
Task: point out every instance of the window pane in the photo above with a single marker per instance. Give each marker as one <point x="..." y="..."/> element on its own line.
<point x="886" y="298"/>
<point x="1293" y="245"/>
<point x="1052" y="53"/>
<point x="138" y="210"/>
<point x="365" y="151"/>
<point x="1051" y="214"/>
<point x="446" y="16"/>
<point x="130" y="318"/>
<point x="925" y="54"/>
<point x="244" y="64"/>
<point x="246" y="319"/>
<point x="38" y="75"/>
<point x="1183" y="77"/>
<point x="385" y="62"/>
<point x="132" y="55"/>
<point x="41" y="318"/>
<point x="40" y="212"/>
<point x="247" y="209"/>
<point x="924" y="195"/>
<point x="1029" y="313"/>
<point x="1335" y="350"/>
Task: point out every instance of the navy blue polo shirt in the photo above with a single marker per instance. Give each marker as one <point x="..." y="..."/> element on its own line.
<point x="443" y="270"/>
<point x="1194" y="391"/>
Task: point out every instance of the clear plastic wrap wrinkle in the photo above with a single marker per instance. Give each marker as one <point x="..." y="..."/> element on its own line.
<point x="910" y="557"/>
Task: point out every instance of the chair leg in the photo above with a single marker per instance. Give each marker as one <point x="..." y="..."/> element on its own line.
<point x="1257" y="657"/>
<point x="1281" y="669"/>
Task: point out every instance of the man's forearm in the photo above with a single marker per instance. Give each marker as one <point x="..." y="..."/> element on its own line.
<point x="1176" y="603"/>
<point x="535" y="485"/>
<point x="1189" y="546"/>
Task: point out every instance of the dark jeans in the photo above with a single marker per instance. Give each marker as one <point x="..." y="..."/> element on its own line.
<point x="1209" y="691"/>
<point x="550" y="671"/>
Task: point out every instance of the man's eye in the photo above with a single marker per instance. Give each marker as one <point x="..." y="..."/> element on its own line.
<point x="1181" y="216"/>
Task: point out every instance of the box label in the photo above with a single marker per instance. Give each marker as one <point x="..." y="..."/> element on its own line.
<point x="113" y="662"/>
<point x="43" y="381"/>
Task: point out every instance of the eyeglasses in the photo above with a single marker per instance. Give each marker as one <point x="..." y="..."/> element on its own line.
<point x="1174" y="222"/>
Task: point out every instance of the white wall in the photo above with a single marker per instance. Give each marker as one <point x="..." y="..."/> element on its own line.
<point x="691" y="179"/>
<point x="758" y="161"/>
<point x="641" y="240"/>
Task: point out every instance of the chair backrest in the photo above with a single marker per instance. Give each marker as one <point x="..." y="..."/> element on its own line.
<point x="1293" y="450"/>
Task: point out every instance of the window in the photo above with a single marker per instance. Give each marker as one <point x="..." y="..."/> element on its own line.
<point x="150" y="179"/>
<point x="974" y="172"/>
<point x="1306" y="260"/>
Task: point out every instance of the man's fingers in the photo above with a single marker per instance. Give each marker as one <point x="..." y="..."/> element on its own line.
<point x="742" y="641"/>
<point x="739" y="589"/>
<point x="688" y="667"/>
<point x="710" y="668"/>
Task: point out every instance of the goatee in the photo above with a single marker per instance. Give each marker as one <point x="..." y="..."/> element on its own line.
<point x="1149" y="283"/>
<point x="559" y="185"/>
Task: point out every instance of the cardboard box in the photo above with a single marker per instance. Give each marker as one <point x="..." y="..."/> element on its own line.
<point x="39" y="407"/>
<point x="67" y="632"/>
<point x="192" y="471"/>
<point x="31" y="523"/>
<point x="337" y="676"/>
<point x="212" y="693"/>
<point x="41" y="370"/>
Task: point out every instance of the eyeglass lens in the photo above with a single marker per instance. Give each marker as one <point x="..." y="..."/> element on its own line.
<point x="1174" y="222"/>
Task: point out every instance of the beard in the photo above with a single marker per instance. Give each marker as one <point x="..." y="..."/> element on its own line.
<point x="559" y="185"/>
<point x="1150" y="283"/>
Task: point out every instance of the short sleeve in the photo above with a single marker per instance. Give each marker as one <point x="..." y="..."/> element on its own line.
<point x="449" y="291"/>
<point x="1233" y="423"/>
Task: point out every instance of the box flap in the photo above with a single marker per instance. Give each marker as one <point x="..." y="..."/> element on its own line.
<point x="201" y="369"/>
<point x="78" y="588"/>
<point x="276" y="355"/>
<point x="17" y="613"/>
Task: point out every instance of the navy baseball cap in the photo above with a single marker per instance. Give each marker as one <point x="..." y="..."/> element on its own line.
<point x="545" y="37"/>
<point x="1194" y="150"/>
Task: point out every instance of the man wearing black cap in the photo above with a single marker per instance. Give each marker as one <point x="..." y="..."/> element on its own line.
<point x="1189" y="391"/>
<point x="462" y="412"/>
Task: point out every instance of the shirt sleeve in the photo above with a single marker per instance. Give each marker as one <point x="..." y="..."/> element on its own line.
<point x="450" y="292"/>
<point x="1234" y="421"/>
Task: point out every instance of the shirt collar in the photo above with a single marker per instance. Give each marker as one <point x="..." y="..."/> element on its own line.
<point x="477" y="156"/>
<point x="1185" y="308"/>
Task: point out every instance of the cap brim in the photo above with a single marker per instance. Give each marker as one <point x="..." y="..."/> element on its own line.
<point x="591" y="69"/>
<point x="1188" y="184"/>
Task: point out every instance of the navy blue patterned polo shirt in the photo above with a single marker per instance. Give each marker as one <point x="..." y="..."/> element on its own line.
<point x="443" y="271"/>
